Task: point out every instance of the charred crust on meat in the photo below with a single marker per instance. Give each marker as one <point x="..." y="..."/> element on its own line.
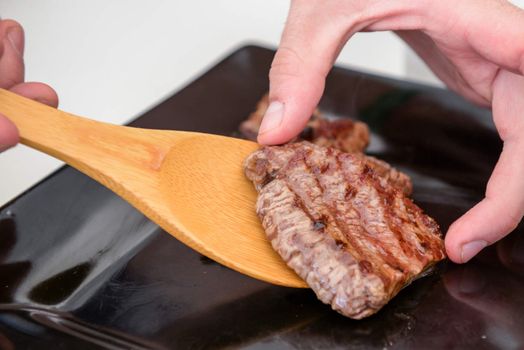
<point x="366" y="170"/>
<point x="350" y="192"/>
<point x="365" y="266"/>
<point x="297" y="201"/>
<point x="270" y="176"/>
<point x="340" y="244"/>
<point x="318" y="169"/>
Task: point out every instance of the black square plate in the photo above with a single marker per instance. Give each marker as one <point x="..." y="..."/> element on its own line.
<point x="81" y="269"/>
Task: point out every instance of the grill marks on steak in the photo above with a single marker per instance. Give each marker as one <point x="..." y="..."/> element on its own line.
<point x="387" y="174"/>
<point x="342" y="134"/>
<point x="352" y="236"/>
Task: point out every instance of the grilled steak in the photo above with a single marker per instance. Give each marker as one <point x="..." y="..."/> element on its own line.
<point x="343" y="134"/>
<point x="354" y="237"/>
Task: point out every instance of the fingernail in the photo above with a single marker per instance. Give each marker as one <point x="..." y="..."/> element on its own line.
<point x="471" y="281"/>
<point x="469" y="250"/>
<point x="15" y="36"/>
<point x="272" y="118"/>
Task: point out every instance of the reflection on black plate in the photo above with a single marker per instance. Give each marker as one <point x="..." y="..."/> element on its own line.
<point x="81" y="269"/>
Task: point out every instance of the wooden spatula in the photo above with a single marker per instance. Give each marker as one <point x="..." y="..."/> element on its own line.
<point x="191" y="184"/>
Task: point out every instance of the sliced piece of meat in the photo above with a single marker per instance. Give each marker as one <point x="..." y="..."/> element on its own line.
<point x="352" y="236"/>
<point x="343" y="134"/>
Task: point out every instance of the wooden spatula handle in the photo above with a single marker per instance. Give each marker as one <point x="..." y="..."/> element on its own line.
<point x="95" y="148"/>
<point x="42" y="127"/>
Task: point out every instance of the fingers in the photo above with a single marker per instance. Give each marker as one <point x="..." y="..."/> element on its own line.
<point x="493" y="28"/>
<point x="12" y="76"/>
<point x="11" y="59"/>
<point x="309" y="45"/>
<point x="11" y="73"/>
<point x="37" y="91"/>
<point x="8" y="134"/>
<point x="503" y="207"/>
<point x="12" y="66"/>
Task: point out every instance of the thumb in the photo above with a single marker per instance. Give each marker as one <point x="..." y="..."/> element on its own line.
<point x="309" y="45"/>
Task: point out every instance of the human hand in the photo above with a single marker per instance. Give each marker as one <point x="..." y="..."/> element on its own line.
<point x="475" y="46"/>
<point x="12" y="78"/>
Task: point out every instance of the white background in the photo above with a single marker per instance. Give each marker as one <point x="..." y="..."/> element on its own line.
<point x="113" y="59"/>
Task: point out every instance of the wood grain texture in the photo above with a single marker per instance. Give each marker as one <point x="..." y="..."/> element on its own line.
<point x="190" y="184"/>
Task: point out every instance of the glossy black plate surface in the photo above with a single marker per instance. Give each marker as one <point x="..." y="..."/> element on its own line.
<point x="81" y="269"/>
